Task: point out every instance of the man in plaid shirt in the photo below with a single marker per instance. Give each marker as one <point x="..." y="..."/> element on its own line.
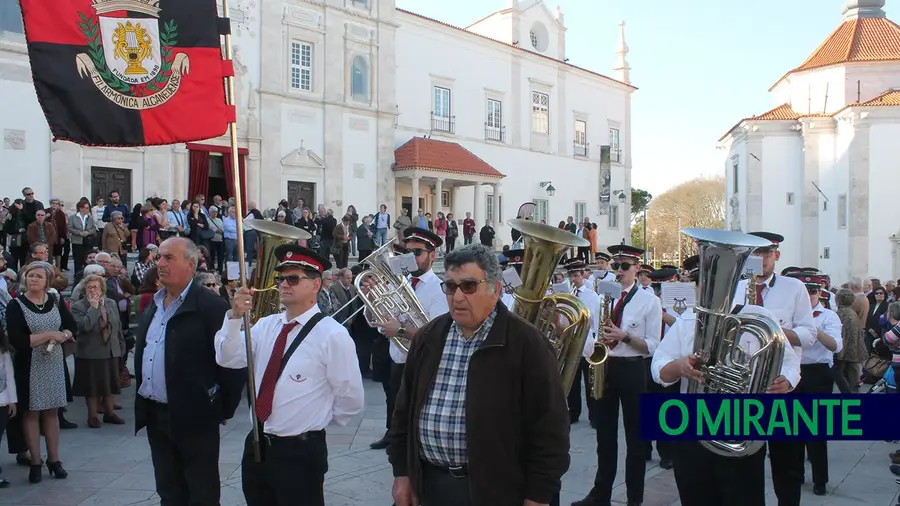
<point x="481" y="416"/>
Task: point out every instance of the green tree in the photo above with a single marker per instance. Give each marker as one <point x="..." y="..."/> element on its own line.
<point x="640" y="200"/>
<point x="637" y="233"/>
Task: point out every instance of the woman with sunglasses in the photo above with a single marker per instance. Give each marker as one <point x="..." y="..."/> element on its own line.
<point x="310" y="361"/>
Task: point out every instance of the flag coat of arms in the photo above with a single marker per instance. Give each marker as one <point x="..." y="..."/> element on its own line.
<point x="128" y="72"/>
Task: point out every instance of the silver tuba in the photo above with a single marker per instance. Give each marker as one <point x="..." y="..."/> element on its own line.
<point x="389" y="296"/>
<point x="725" y="366"/>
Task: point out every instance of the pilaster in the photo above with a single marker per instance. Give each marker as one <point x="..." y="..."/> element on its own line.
<point x="858" y="203"/>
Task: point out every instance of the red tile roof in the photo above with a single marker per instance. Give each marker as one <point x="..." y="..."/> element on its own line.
<point x="781" y="113"/>
<point x="404" y="11"/>
<point x="441" y="156"/>
<point x="856" y="40"/>
<point x="888" y="98"/>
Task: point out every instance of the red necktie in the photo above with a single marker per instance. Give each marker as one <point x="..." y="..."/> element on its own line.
<point x="759" y="293"/>
<point x="266" y="395"/>
<point x="617" y="315"/>
<point x="414" y="281"/>
<point x="816" y="314"/>
<point x="662" y="330"/>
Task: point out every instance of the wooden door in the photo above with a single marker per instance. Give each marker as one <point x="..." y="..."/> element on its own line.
<point x="106" y="179"/>
<point x="302" y="190"/>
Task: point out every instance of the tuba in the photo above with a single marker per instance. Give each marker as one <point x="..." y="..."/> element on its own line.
<point x="725" y="366"/>
<point x="271" y="234"/>
<point x="389" y="296"/>
<point x="597" y="360"/>
<point x="562" y="318"/>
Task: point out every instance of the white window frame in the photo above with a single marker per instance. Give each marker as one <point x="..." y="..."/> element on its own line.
<point x="735" y="175"/>
<point x="365" y="95"/>
<point x="360" y="4"/>
<point x="540" y="113"/>
<point x="440" y="93"/>
<point x="445" y="198"/>
<point x="541" y="210"/>
<point x="580" y="212"/>
<point x="581" y="134"/>
<point x="494" y="111"/>
<point x="301" y="65"/>
<point x="613" y="217"/>
<point x="789" y="198"/>
<point x="615" y="150"/>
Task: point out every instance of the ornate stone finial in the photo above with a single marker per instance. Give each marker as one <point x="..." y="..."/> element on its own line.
<point x="302" y="147"/>
<point x="622" y="69"/>
<point x="854" y="9"/>
<point x="148" y="7"/>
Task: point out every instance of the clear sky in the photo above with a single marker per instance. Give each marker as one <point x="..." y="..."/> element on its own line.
<point x="700" y="65"/>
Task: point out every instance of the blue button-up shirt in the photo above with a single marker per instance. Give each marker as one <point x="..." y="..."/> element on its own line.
<point x="423" y="222"/>
<point x="153" y="383"/>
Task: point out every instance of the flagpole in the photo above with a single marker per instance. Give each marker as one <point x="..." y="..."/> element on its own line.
<point x="239" y="217"/>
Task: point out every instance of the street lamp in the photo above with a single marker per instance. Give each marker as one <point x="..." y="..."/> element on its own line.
<point x="551" y="191"/>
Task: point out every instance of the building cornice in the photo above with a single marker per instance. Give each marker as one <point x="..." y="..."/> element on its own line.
<point x="351" y="12"/>
<point x="361" y="109"/>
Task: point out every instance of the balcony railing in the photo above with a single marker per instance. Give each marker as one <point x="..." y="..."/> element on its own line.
<point x="443" y="123"/>
<point x="615" y="156"/>
<point x="496" y="134"/>
<point x="581" y="149"/>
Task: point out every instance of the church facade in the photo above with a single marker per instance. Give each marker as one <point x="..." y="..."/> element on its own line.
<point x="820" y="167"/>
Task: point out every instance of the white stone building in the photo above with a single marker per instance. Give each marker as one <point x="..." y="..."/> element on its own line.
<point x="821" y="167"/>
<point x="356" y="102"/>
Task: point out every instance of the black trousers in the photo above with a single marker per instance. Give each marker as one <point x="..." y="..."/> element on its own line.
<point x="79" y="251"/>
<point x="706" y="479"/>
<point x="665" y="449"/>
<point x="626" y="380"/>
<point x="396" y="379"/>
<point x="815" y="379"/>
<point x="186" y="468"/>
<point x="439" y="488"/>
<point x="582" y="377"/>
<point x="291" y="472"/>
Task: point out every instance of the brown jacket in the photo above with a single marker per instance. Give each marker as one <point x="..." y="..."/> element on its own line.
<point x="113" y="239"/>
<point x="861" y="308"/>
<point x="34" y="235"/>
<point x="517" y="422"/>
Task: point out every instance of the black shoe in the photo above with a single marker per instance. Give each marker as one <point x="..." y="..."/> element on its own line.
<point x="381" y="444"/>
<point x="4" y="483"/>
<point x="24" y="460"/>
<point x="65" y="424"/>
<point x="34" y="475"/>
<point x="634" y="503"/>
<point x="587" y="501"/>
<point x="819" y="489"/>
<point x="117" y="407"/>
<point x="57" y="471"/>
<point x="666" y="463"/>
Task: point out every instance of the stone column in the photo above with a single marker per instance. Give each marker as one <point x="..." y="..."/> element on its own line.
<point x="858" y="212"/>
<point x="475" y="215"/>
<point x="895" y="256"/>
<point x="438" y="189"/>
<point x="495" y="212"/>
<point x="414" y="193"/>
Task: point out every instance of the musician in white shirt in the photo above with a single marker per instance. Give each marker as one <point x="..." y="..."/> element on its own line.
<point x="788" y="300"/>
<point x="815" y="369"/>
<point x="575" y="271"/>
<point x="307" y="375"/>
<point x="602" y="272"/>
<point x="633" y="335"/>
<point x="513" y="260"/>
<point x="423" y="244"/>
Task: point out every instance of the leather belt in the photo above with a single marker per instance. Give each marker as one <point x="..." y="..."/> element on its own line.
<point x="306" y="436"/>
<point x="454" y="471"/>
<point x="628" y="359"/>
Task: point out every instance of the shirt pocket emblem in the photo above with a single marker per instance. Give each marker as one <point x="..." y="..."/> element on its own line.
<point x="297" y="378"/>
<point x="633" y="325"/>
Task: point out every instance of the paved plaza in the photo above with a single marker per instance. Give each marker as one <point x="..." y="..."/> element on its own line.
<point x="111" y="467"/>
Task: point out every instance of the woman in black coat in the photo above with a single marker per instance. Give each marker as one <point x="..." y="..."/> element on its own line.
<point x="873" y="320"/>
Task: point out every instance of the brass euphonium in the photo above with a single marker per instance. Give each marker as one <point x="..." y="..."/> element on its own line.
<point x="562" y="318"/>
<point x="271" y="234"/>
<point x="597" y="360"/>
<point x="725" y="367"/>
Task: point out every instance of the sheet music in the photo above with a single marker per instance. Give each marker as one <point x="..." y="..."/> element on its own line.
<point x="609" y="288"/>
<point x="404" y="264"/>
<point x="511" y="279"/>
<point x="753" y="266"/>
<point x="685" y="293"/>
<point x="233" y="270"/>
<point x="560" y="287"/>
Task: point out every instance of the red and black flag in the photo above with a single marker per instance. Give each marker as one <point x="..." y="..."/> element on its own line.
<point x="128" y="72"/>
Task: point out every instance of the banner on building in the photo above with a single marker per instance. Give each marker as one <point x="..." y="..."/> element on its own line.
<point x="605" y="164"/>
<point x="128" y="72"/>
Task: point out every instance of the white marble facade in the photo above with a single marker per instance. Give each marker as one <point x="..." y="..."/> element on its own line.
<point x="825" y="176"/>
<point x="328" y="89"/>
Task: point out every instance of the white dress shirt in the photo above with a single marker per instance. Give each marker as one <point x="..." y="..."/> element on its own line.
<point x="641" y="318"/>
<point x="829" y="323"/>
<point x="592" y="302"/>
<point x="679" y="343"/>
<point x="787" y="299"/>
<point x="509" y="300"/>
<point x="434" y="302"/>
<point x="598" y="276"/>
<point x="321" y="382"/>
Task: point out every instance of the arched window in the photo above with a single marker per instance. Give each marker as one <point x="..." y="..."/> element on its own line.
<point x="359" y="78"/>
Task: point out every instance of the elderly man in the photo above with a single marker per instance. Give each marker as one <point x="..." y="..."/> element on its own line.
<point x="343" y="292"/>
<point x="481" y="417"/>
<point x="182" y="394"/>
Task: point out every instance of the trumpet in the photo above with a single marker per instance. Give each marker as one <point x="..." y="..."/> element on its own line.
<point x="598" y="358"/>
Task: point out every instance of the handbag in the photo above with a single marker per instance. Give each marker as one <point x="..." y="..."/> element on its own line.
<point x="875" y="367"/>
<point x="124" y="375"/>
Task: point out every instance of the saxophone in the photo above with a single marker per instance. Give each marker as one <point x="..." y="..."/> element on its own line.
<point x="597" y="360"/>
<point x="725" y="367"/>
